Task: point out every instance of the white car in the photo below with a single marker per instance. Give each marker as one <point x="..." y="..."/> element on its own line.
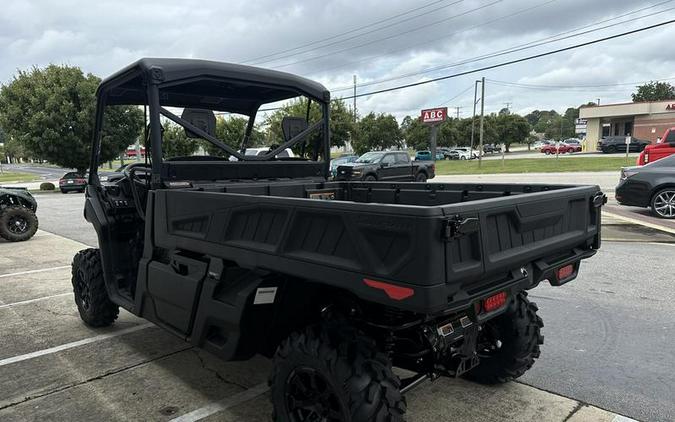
<point x="264" y="150"/>
<point x="463" y="153"/>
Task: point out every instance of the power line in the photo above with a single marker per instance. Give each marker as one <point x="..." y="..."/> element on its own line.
<point x="535" y="86"/>
<point x="282" y="56"/>
<point x="456" y="96"/>
<point x="390" y="36"/>
<point x="436" y="38"/>
<point x="515" y="61"/>
<point x="520" y="47"/>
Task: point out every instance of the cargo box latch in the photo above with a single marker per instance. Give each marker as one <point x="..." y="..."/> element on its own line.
<point x="599" y="200"/>
<point x="458" y="227"/>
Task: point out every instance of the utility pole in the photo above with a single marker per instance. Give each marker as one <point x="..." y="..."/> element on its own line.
<point x="473" y="116"/>
<point x="354" y="98"/>
<point x="508" y="106"/>
<point x="457" y="111"/>
<point x="482" y="120"/>
<point x="598" y="101"/>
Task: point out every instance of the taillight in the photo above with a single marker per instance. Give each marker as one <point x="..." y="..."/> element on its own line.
<point x="494" y="302"/>
<point x="565" y="272"/>
<point x="646" y="157"/>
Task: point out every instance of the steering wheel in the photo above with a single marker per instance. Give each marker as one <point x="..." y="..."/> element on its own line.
<point x="130" y="173"/>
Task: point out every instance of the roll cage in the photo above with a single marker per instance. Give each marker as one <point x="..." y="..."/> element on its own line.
<point x="159" y="84"/>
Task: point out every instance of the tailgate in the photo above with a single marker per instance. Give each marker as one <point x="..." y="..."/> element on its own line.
<point x="512" y="232"/>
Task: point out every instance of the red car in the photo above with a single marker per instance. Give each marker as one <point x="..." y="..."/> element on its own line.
<point x="563" y="148"/>
<point x="72" y="182"/>
<point x="659" y="150"/>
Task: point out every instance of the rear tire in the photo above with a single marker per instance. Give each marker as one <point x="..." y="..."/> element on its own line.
<point x="17" y="223"/>
<point x="335" y="372"/>
<point x="95" y="307"/>
<point x="515" y="337"/>
<point x="663" y="203"/>
<point x="421" y="177"/>
<point x="370" y="178"/>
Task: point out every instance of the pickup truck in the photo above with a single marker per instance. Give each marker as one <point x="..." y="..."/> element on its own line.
<point x="386" y="166"/>
<point x="664" y="148"/>
<point x="337" y="282"/>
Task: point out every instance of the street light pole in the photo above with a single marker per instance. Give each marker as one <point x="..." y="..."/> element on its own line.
<point x="473" y="116"/>
<point x="482" y="120"/>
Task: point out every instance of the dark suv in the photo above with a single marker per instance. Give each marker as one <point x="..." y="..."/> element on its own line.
<point x="612" y="144"/>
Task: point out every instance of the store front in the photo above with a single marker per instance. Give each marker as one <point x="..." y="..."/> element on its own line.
<point x="646" y="121"/>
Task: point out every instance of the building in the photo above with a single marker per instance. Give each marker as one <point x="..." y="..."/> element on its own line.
<point x="645" y="121"/>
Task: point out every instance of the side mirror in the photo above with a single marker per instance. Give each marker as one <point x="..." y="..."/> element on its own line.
<point x="384" y="164"/>
<point x="203" y="119"/>
<point x="292" y="126"/>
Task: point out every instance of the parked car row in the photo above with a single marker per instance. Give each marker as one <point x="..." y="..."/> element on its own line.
<point x="560" y="148"/>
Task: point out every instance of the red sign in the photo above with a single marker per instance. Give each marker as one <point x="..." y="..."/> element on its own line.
<point x="434" y="115"/>
<point x="670" y="107"/>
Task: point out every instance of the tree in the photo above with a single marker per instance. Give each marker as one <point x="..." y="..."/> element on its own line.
<point x="377" y="132"/>
<point x="175" y="142"/>
<point x="511" y="129"/>
<point x="50" y="113"/>
<point x="654" y="91"/>
<point x="416" y="134"/>
<point x="342" y="126"/>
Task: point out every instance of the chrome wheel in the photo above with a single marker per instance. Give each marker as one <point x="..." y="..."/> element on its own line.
<point x="663" y="203"/>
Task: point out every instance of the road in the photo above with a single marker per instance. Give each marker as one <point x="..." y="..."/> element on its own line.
<point x="610" y="335"/>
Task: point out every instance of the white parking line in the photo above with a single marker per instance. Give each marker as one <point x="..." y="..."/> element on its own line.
<point x="74" y="344"/>
<point x="221" y="405"/>
<point x="23" y="302"/>
<point x="43" y="270"/>
<point x="619" y="418"/>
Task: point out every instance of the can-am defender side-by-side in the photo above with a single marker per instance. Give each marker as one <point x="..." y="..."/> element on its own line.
<point x="18" y="221"/>
<point x="337" y="281"/>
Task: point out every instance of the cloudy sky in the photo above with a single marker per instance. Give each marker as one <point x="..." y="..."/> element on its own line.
<point x="384" y="43"/>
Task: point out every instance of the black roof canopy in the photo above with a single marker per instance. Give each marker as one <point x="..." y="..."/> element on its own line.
<point x="207" y="84"/>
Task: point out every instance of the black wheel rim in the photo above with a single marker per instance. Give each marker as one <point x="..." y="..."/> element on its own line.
<point x="82" y="290"/>
<point x="17" y="225"/>
<point x="311" y="398"/>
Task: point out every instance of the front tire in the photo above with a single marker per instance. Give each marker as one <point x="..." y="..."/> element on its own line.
<point x="95" y="307"/>
<point x="421" y="178"/>
<point x="509" y="343"/>
<point x="663" y="203"/>
<point x="17" y="223"/>
<point x="332" y="372"/>
<point x="370" y="178"/>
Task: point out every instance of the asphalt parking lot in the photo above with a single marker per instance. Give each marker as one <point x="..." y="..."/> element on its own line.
<point x="609" y="344"/>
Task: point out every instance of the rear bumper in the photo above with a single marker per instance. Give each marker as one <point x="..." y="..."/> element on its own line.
<point x="65" y="188"/>
<point x="633" y="193"/>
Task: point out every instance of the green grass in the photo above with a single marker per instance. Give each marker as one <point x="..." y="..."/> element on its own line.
<point x="534" y="165"/>
<point x="6" y="176"/>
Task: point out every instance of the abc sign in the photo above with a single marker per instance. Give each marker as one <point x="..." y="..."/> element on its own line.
<point x="433" y="115"/>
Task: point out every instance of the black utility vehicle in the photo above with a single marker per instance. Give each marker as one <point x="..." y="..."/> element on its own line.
<point x="612" y="144"/>
<point x="386" y="166"/>
<point x="17" y="214"/>
<point x="337" y="281"/>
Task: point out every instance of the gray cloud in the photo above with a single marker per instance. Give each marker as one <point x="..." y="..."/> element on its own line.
<point x="103" y="36"/>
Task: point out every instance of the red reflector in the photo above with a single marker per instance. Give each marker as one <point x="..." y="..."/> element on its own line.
<point x="394" y="292"/>
<point x="494" y="302"/>
<point x="565" y="272"/>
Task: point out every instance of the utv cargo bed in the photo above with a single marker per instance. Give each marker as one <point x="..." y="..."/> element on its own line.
<point x="432" y="247"/>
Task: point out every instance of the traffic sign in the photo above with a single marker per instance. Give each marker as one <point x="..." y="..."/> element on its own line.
<point x="434" y="115"/>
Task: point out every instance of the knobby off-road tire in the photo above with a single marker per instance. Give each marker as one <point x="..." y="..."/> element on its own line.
<point x="332" y="372"/>
<point x="519" y="331"/>
<point x="91" y="296"/>
<point x="17" y="223"/>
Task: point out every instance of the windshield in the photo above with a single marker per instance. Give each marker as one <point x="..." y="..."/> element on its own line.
<point x="370" y="157"/>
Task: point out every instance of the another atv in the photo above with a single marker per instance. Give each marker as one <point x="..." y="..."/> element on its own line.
<point x="337" y="281"/>
<point x="17" y="214"/>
